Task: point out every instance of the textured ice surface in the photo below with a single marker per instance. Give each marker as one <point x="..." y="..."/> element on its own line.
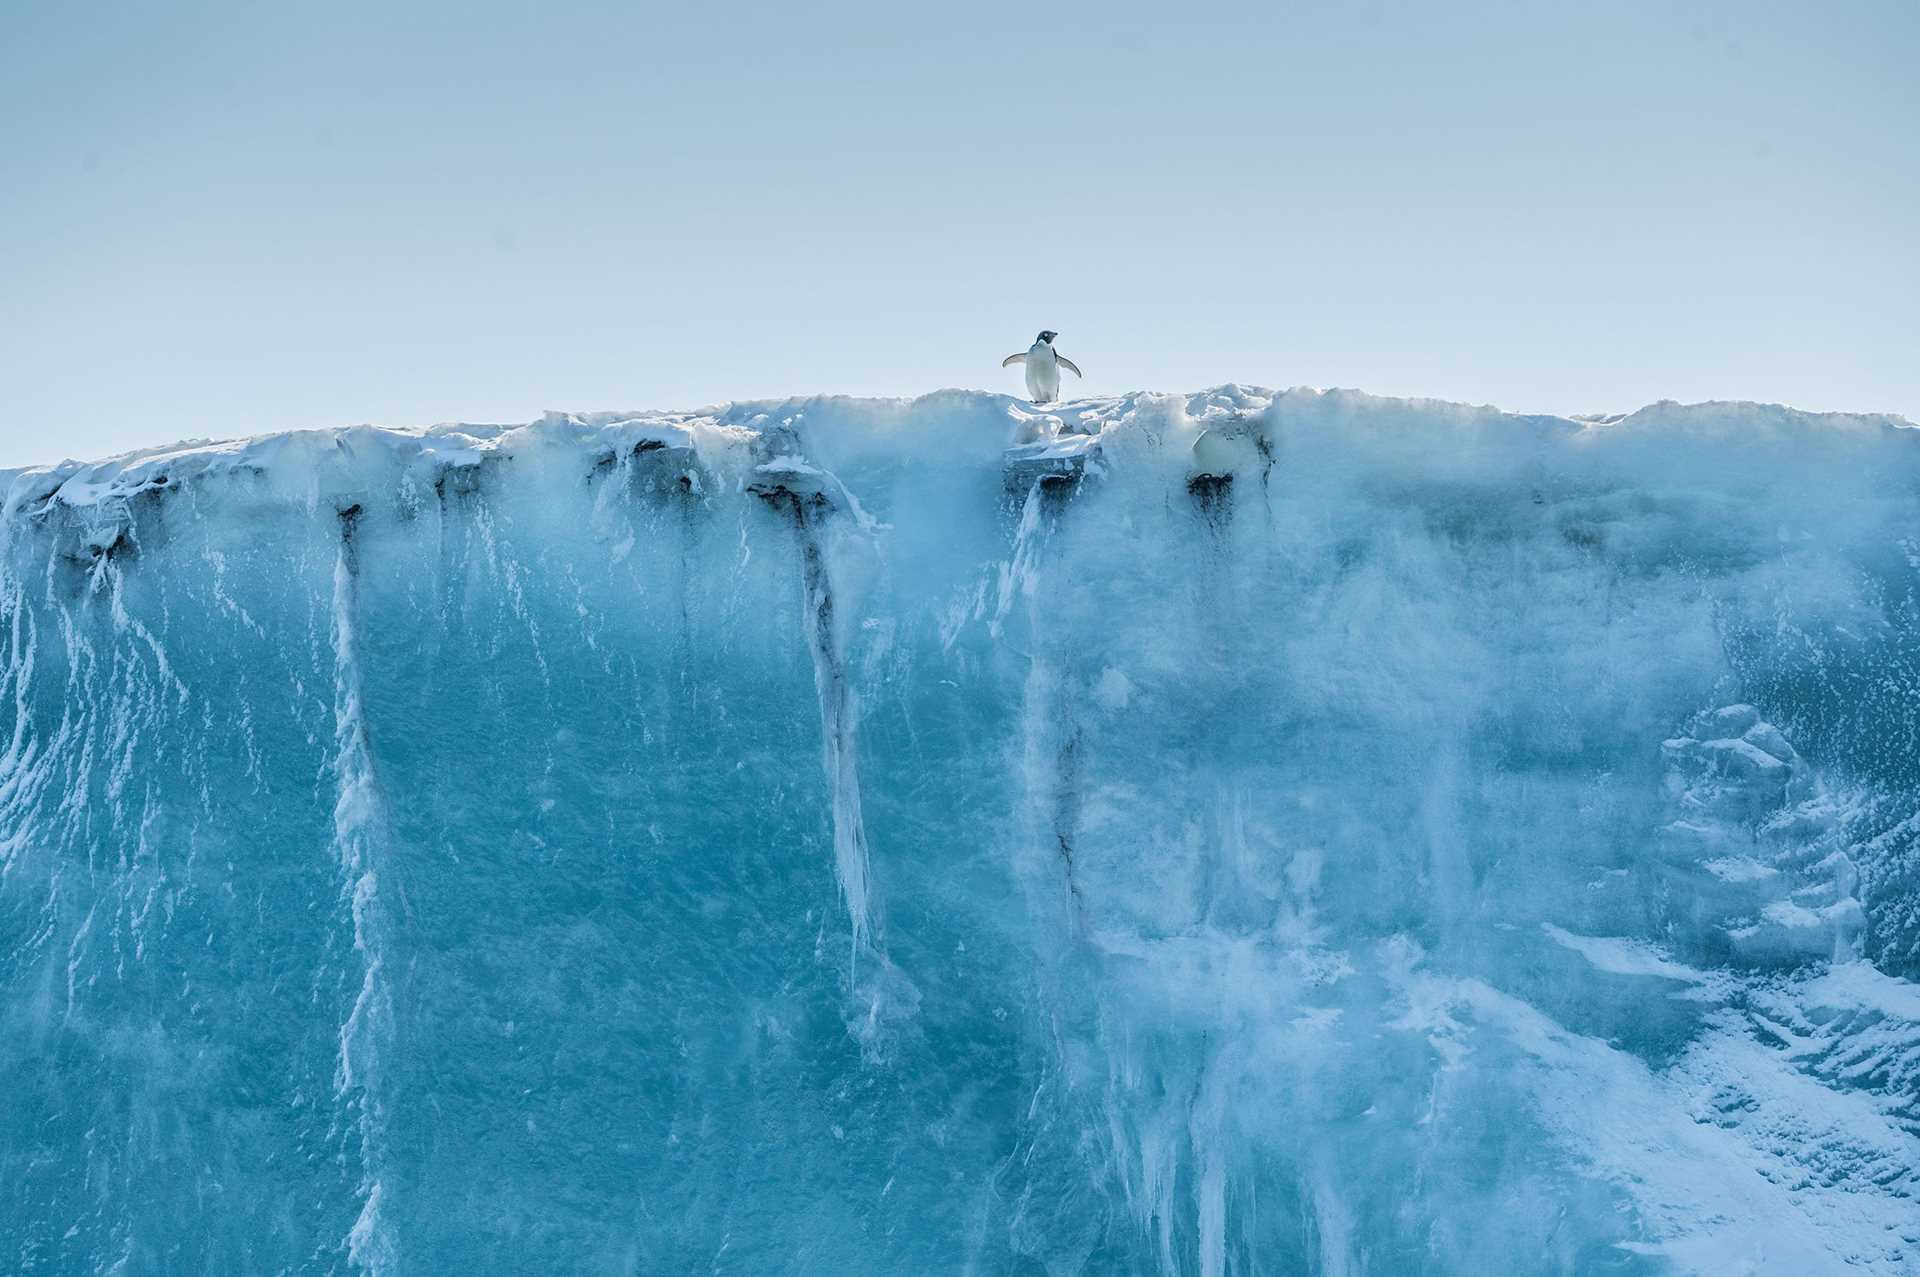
<point x="1226" y="834"/>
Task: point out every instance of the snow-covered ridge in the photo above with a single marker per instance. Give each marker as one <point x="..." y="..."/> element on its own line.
<point x="316" y="463"/>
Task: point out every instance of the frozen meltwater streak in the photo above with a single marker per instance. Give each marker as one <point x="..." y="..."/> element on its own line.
<point x="820" y="508"/>
<point x="1201" y="835"/>
<point x="358" y="823"/>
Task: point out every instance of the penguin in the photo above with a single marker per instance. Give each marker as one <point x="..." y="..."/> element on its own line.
<point x="1043" y="368"/>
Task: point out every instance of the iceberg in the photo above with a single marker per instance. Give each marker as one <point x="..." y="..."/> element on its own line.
<point x="1248" y="831"/>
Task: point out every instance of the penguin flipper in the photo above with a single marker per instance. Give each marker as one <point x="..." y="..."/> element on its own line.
<point x="1011" y="360"/>
<point x="1069" y="365"/>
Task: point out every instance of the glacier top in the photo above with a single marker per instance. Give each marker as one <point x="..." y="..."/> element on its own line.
<point x="949" y="423"/>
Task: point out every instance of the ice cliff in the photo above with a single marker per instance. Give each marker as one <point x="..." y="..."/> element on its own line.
<point x="1238" y="833"/>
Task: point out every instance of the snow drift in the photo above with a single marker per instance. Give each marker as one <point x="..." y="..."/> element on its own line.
<point x="1234" y="833"/>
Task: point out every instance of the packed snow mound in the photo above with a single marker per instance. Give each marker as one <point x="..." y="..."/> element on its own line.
<point x="1185" y="834"/>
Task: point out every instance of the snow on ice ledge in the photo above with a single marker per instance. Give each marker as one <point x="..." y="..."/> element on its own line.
<point x="1729" y="440"/>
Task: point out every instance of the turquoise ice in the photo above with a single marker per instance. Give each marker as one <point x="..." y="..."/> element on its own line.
<point x="1236" y="833"/>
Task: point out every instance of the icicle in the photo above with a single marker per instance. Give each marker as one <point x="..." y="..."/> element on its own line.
<point x="1021" y="570"/>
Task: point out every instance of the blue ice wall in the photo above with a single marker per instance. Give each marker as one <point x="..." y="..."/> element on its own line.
<point x="1224" y="834"/>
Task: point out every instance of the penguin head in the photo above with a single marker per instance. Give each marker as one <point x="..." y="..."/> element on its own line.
<point x="1048" y="336"/>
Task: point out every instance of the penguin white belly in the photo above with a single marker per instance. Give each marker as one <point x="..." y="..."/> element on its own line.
<point x="1043" y="374"/>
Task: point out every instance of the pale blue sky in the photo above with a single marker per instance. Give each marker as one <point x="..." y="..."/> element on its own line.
<point x="219" y="219"/>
